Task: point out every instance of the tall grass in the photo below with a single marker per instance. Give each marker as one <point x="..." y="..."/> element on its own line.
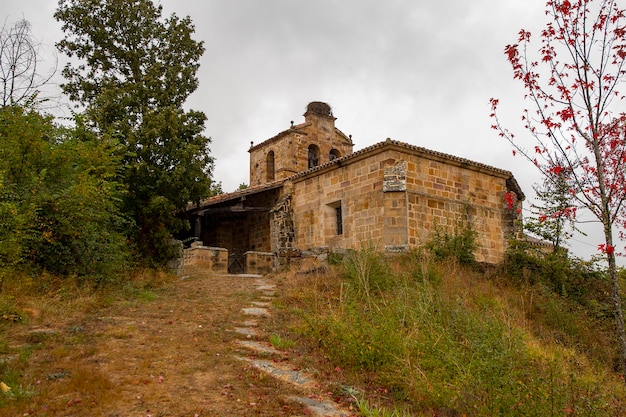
<point x="444" y="341"/>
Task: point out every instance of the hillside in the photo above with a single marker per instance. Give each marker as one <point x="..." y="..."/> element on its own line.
<point x="365" y="335"/>
<point x="429" y="337"/>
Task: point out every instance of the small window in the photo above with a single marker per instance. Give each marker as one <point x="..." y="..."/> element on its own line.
<point x="339" y="219"/>
<point x="333" y="218"/>
<point x="314" y="156"/>
<point x="334" y="154"/>
<point x="270" y="166"/>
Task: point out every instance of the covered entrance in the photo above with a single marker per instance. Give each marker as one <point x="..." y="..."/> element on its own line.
<point x="239" y="222"/>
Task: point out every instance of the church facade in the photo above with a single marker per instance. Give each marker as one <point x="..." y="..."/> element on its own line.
<point x="311" y="193"/>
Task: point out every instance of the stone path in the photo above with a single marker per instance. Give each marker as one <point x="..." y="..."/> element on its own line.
<point x="275" y="363"/>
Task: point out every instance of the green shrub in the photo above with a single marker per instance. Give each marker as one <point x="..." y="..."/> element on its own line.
<point x="359" y="340"/>
<point x="460" y="245"/>
<point x="59" y="199"/>
<point x="367" y="271"/>
<point x="280" y="342"/>
<point x="367" y="410"/>
<point x="582" y="281"/>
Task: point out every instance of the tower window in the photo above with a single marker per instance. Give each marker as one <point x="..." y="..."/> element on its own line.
<point x="334" y="154"/>
<point x="314" y="156"/>
<point x="270" y="166"/>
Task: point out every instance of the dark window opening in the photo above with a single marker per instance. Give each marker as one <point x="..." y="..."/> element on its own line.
<point x="270" y="166"/>
<point x="339" y="220"/>
<point x="314" y="156"/>
<point x="334" y="154"/>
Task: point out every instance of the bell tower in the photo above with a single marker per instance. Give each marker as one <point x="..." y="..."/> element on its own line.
<point x="301" y="147"/>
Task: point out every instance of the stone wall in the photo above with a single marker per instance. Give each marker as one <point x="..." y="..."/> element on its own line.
<point x="355" y="187"/>
<point x="214" y="259"/>
<point x="258" y="229"/>
<point x="452" y="197"/>
<point x="395" y="198"/>
<point x="282" y="228"/>
<point x="177" y="263"/>
<point x="259" y="262"/>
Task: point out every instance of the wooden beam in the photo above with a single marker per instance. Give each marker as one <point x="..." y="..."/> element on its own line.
<point x="232" y="209"/>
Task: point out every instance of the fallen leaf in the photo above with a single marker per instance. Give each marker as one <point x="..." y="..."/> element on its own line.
<point x="4" y="387"/>
<point x="73" y="402"/>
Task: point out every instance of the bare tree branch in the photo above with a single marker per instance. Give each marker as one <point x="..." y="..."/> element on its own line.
<point x="20" y="55"/>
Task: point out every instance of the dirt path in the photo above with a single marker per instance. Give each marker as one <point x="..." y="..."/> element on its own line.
<point x="189" y="350"/>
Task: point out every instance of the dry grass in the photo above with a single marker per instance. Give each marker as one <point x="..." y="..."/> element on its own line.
<point x="164" y="347"/>
<point x="161" y="347"/>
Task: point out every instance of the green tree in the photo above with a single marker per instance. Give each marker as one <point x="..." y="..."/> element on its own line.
<point x="59" y="199"/>
<point x="132" y="71"/>
<point x="21" y="149"/>
<point x="555" y="212"/>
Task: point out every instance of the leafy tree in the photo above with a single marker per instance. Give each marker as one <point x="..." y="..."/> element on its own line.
<point x="59" y="200"/>
<point x="133" y="71"/>
<point x="20" y="58"/>
<point x="555" y="213"/>
<point x="576" y="123"/>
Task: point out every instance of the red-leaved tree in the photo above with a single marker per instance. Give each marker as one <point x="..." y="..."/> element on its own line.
<point x="576" y="121"/>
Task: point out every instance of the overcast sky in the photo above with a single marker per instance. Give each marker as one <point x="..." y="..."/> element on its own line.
<point x="420" y="72"/>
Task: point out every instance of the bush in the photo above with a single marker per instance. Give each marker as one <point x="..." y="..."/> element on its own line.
<point x="367" y="271"/>
<point x="460" y="245"/>
<point x="582" y="281"/>
<point x="59" y="190"/>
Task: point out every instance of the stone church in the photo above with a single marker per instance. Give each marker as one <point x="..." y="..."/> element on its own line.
<point x="310" y="193"/>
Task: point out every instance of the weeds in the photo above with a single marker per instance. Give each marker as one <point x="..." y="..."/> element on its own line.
<point x="280" y="342"/>
<point x="460" y="245"/>
<point x="442" y="340"/>
<point x="366" y="410"/>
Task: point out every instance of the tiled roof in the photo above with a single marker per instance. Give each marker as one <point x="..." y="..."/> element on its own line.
<point x="477" y="166"/>
<point x="533" y="241"/>
<point x="221" y="198"/>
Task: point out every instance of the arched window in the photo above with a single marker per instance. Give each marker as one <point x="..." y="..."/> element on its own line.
<point x="270" y="166"/>
<point x="334" y="154"/>
<point x="314" y="156"/>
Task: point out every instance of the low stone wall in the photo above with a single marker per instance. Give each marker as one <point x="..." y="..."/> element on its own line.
<point x="259" y="262"/>
<point x="215" y="259"/>
<point x="176" y="264"/>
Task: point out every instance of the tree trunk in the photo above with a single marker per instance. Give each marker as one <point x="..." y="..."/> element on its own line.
<point x="619" y="314"/>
